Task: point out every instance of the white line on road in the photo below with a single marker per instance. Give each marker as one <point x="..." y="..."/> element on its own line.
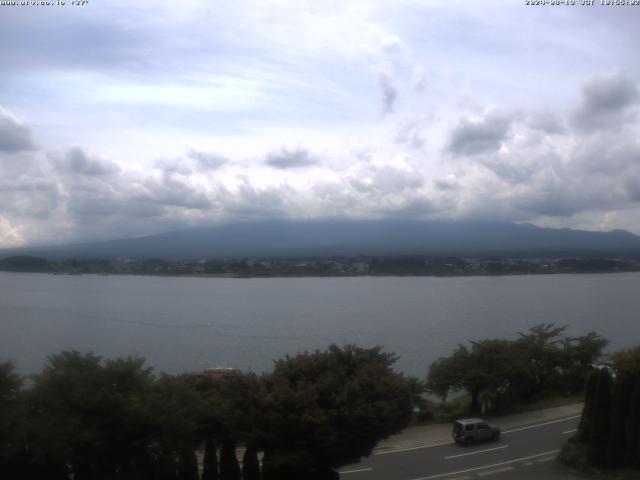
<point x="567" y="432"/>
<point x="541" y="424"/>
<point x="355" y="471"/>
<point x="477" y="451"/>
<point x="546" y="459"/>
<point x="414" y="448"/>
<point x="493" y="472"/>
<point x="515" y="460"/>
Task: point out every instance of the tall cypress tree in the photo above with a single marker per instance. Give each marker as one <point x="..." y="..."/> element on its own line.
<point x="250" y="464"/>
<point x="229" y="467"/>
<point x="601" y="419"/>
<point x="619" y="441"/>
<point x="210" y="462"/>
<point x="633" y="424"/>
<point x="188" y="465"/>
<point x="584" y="428"/>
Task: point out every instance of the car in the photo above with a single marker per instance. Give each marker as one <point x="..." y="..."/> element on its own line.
<point x="469" y="430"/>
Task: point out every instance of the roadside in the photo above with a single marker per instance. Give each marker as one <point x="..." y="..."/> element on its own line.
<point x="433" y="434"/>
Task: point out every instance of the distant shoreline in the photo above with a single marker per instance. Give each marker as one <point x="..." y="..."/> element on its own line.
<point x="403" y="266"/>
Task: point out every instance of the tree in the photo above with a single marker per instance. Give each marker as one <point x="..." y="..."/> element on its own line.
<point x="210" y="461"/>
<point x="600" y="418"/>
<point x="11" y="422"/>
<point x="107" y="418"/>
<point x="585" y="425"/>
<point x="250" y="464"/>
<point x="329" y="408"/>
<point x="187" y="465"/>
<point x="487" y="367"/>
<point x="229" y="467"/>
<point x="504" y="371"/>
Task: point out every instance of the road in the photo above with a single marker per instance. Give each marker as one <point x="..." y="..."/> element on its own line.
<point x="525" y="451"/>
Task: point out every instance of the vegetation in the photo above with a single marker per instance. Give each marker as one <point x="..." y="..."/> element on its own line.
<point x="326" y="266"/>
<point x="87" y="418"/>
<point x="498" y="373"/>
<point x="609" y="433"/>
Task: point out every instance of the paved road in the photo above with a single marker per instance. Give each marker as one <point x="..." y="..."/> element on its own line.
<point x="525" y="451"/>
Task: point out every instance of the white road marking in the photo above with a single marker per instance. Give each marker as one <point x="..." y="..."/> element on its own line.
<point x="355" y="471"/>
<point x="477" y="451"/>
<point x="414" y="448"/>
<point x="507" y="462"/>
<point x="567" y="432"/>
<point x="541" y="424"/>
<point x="493" y="472"/>
<point x="527" y="464"/>
<point x="548" y="459"/>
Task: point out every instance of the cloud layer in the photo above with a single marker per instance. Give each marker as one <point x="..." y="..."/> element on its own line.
<point x="159" y="117"/>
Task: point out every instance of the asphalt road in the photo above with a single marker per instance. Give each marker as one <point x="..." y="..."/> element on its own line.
<point x="523" y="451"/>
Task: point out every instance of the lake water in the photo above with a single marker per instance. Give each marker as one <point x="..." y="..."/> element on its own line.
<point x="183" y="324"/>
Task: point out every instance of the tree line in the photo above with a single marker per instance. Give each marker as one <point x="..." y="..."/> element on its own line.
<point x="83" y="417"/>
<point x="500" y="373"/>
<point x="88" y="418"/>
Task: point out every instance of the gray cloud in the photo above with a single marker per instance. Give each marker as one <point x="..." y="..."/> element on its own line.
<point x="296" y="158"/>
<point x="386" y="180"/>
<point x="410" y="133"/>
<point x="419" y="79"/>
<point x="604" y="101"/>
<point x="207" y="160"/>
<point x="472" y="137"/>
<point x="388" y="89"/>
<point x="77" y="161"/>
<point x="547" y="122"/>
<point x="14" y="135"/>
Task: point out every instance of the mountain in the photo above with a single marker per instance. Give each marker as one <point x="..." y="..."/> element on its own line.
<point x="288" y="238"/>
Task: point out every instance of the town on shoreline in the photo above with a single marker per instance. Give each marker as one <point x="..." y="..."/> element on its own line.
<point x="408" y="265"/>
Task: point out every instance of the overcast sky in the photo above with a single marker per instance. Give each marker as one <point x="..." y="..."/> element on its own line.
<point x="123" y="118"/>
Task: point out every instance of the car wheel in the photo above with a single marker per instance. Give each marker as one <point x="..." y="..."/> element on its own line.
<point x="495" y="436"/>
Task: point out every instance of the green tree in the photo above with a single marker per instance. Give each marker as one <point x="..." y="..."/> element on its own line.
<point x="11" y="422"/>
<point x="600" y="418"/>
<point x="504" y="371"/>
<point x="329" y="408"/>
<point x="250" y="464"/>
<point x="585" y="425"/>
<point x="229" y="467"/>
<point x="187" y="465"/>
<point x="210" y="461"/>
<point x="487" y="367"/>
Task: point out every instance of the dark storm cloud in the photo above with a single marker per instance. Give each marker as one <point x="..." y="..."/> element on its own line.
<point x="207" y="160"/>
<point x="605" y="102"/>
<point x="172" y="191"/>
<point x="286" y="158"/>
<point x="472" y="137"/>
<point x="77" y="161"/>
<point x="14" y="135"/>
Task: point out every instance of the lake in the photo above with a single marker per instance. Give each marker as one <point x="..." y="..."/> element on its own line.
<point x="184" y="324"/>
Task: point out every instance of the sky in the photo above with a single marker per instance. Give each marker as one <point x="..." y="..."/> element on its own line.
<point x="120" y="119"/>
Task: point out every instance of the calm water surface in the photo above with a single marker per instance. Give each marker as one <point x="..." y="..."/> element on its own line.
<point x="182" y="324"/>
